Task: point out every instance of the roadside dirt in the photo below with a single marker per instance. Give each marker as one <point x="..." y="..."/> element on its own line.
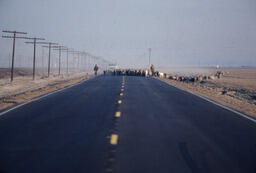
<point x="237" y="89"/>
<point x="19" y="92"/>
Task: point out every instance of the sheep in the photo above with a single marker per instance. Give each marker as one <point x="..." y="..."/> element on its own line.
<point x="161" y="75"/>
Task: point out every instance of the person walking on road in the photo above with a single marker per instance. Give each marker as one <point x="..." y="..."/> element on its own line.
<point x="96" y="68"/>
<point x="152" y="68"/>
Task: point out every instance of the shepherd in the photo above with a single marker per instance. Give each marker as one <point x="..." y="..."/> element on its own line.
<point x="152" y="68"/>
<point x="96" y="68"/>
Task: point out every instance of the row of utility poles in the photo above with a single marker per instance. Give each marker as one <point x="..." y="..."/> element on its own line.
<point x="50" y="45"/>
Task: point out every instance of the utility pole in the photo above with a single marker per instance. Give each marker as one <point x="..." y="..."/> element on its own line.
<point x="73" y="58"/>
<point x="59" y="58"/>
<point x="34" y="54"/>
<point x="67" y="51"/>
<point x="43" y="61"/>
<point x="59" y="48"/>
<point x="75" y="52"/>
<point x="49" y="55"/>
<point x="78" y="61"/>
<point x="149" y="56"/>
<point x="78" y="58"/>
<point x="67" y="59"/>
<point x="10" y="60"/>
<point x="14" y="37"/>
<point x="84" y="61"/>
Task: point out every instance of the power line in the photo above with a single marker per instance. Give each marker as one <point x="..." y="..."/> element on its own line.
<point x="68" y="50"/>
<point x="14" y="37"/>
<point x="49" y="56"/>
<point x="149" y="56"/>
<point x="34" y="53"/>
<point x="80" y="62"/>
<point x="59" y="48"/>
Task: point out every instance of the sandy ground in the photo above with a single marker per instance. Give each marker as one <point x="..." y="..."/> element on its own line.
<point x="238" y="78"/>
<point x="23" y="89"/>
<point x="188" y="71"/>
<point x="236" y="89"/>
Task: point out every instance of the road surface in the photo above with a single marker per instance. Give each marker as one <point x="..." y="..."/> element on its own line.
<point x="153" y="128"/>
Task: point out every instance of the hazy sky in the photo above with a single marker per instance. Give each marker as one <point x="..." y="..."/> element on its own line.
<point x="180" y="32"/>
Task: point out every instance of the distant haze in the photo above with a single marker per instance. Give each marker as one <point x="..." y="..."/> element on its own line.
<point x="180" y="32"/>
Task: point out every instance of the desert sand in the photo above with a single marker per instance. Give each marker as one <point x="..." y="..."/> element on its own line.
<point x="235" y="89"/>
<point x="24" y="89"/>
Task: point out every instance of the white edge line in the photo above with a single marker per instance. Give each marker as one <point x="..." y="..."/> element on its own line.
<point x="45" y="95"/>
<point x="211" y="101"/>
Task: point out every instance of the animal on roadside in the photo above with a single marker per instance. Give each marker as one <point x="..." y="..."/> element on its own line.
<point x="200" y="78"/>
<point x="161" y="75"/>
<point x="219" y="74"/>
<point x="146" y="73"/>
<point x="211" y="77"/>
<point x="166" y="76"/>
<point x="173" y="77"/>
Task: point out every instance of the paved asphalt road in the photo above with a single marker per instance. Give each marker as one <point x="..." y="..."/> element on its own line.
<point x="161" y="130"/>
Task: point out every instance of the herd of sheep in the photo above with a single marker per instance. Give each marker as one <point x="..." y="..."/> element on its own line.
<point x="198" y="78"/>
<point x="136" y="72"/>
<point x="147" y="73"/>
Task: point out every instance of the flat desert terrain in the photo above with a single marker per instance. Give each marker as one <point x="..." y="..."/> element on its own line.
<point x="23" y="88"/>
<point x="235" y="89"/>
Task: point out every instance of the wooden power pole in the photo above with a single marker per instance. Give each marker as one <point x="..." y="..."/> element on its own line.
<point x="50" y="44"/>
<point x="34" y="53"/>
<point x="59" y="48"/>
<point x="14" y="37"/>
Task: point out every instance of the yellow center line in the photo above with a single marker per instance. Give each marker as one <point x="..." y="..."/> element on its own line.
<point x="122" y="89"/>
<point x="118" y="114"/>
<point x="119" y="101"/>
<point x="114" y="139"/>
<point x="121" y="94"/>
<point x="122" y="86"/>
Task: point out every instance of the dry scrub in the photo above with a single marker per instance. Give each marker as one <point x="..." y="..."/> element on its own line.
<point x="12" y="99"/>
<point x="236" y="89"/>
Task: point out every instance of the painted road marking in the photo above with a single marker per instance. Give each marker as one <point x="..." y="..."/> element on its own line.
<point x="122" y="86"/>
<point x="119" y="101"/>
<point x="114" y="139"/>
<point x="121" y="94"/>
<point x="122" y="89"/>
<point x="118" y="114"/>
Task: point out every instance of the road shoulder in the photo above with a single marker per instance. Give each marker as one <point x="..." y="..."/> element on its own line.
<point x="239" y="107"/>
<point x="13" y="100"/>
